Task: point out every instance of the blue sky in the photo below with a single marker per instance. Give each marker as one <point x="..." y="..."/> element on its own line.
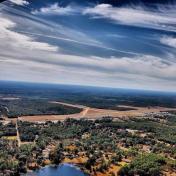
<point x="98" y="44"/>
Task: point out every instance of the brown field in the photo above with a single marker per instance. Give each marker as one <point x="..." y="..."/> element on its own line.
<point x="95" y="113"/>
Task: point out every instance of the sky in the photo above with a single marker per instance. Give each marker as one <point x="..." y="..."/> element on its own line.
<point x="96" y="43"/>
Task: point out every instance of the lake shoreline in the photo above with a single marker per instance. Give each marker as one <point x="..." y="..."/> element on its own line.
<point x="76" y="167"/>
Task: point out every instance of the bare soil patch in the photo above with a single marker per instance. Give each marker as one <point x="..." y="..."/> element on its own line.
<point x="95" y="113"/>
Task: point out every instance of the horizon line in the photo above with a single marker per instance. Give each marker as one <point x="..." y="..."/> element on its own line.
<point x="90" y="86"/>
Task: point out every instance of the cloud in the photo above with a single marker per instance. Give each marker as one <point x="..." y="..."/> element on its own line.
<point x="55" y="9"/>
<point x="49" y="30"/>
<point x="26" y="56"/>
<point x="15" y="40"/>
<point x="169" y="41"/>
<point x="97" y="71"/>
<point x="136" y="16"/>
<point x="20" y="2"/>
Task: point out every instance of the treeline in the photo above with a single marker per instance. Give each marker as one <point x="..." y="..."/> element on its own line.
<point x="7" y="130"/>
<point x="22" y="107"/>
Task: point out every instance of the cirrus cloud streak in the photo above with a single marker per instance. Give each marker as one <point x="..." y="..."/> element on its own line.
<point x="162" y="19"/>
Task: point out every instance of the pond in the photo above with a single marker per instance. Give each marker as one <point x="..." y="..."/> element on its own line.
<point x="61" y="170"/>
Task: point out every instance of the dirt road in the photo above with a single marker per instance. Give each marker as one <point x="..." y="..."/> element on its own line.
<point x="18" y="135"/>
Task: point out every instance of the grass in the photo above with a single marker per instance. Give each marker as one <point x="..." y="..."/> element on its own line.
<point x="13" y="138"/>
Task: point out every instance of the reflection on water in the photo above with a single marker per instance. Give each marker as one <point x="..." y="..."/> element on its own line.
<point x="62" y="170"/>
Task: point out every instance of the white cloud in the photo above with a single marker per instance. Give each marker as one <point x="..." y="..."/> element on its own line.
<point x="16" y="40"/>
<point x="144" y="72"/>
<point x="170" y="41"/>
<point x="25" y="53"/>
<point x="20" y="2"/>
<point x="24" y="49"/>
<point x="55" y="9"/>
<point x="25" y="58"/>
<point x="138" y="16"/>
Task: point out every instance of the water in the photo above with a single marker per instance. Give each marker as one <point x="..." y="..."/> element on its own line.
<point x="62" y="170"/>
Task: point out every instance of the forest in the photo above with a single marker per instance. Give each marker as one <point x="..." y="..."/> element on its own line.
<point x="131" y="147"/>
